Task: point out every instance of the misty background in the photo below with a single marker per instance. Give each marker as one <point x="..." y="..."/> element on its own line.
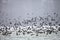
<point x="23" y="9"/>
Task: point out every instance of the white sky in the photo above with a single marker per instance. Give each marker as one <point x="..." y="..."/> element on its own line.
<point x="16" y="8"/>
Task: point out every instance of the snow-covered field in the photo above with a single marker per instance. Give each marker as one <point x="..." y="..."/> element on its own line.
<point x="42" y="36"/>
<point x="28" y="37"/>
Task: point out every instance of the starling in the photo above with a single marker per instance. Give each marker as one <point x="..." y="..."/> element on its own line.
<point x="59" y="29"/>
<point x="54" y="13"/>
<point x="52" y="19"/>
<point x="50" y="23"/>
<point x="23" y="33"/>
<point x="10" y="22"/>
<point x="59" y="24"/>
<point x="36" y="34"/>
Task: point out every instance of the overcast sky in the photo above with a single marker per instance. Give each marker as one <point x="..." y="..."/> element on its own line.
<point x="28" y="8"/>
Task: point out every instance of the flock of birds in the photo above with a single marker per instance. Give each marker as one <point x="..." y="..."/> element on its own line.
<point x="33" y="26"/>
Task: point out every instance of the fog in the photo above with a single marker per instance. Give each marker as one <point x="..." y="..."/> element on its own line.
<point x="16" y="8"/>
<point x="28" y="8"/>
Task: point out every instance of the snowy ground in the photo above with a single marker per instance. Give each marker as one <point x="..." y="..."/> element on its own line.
<point x="28" y="37"/>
